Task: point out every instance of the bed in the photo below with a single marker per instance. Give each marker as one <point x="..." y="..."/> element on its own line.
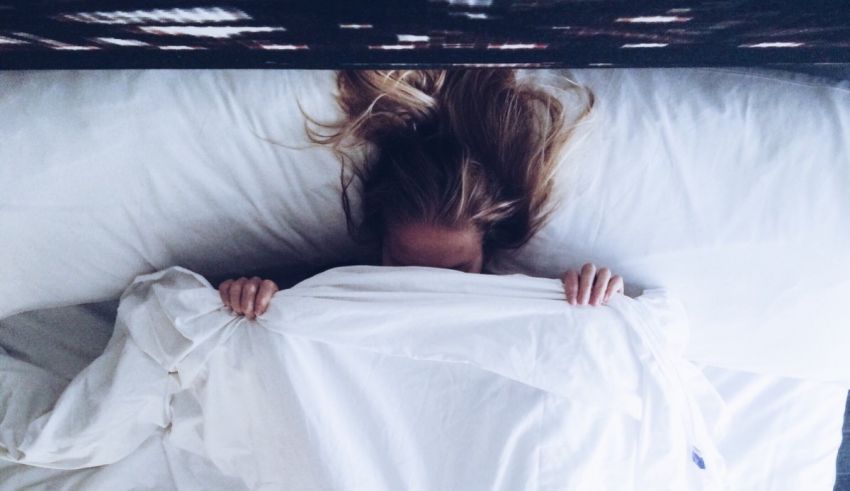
<point x="784" y="413"/>
<point x="677" y="201"/>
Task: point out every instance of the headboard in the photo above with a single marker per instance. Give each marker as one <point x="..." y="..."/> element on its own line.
<point x="66" y="34"/>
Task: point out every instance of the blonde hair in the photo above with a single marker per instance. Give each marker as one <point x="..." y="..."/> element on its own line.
<point x="450" y="147"/>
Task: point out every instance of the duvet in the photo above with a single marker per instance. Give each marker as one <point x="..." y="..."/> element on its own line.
<point x="380" y="378"/>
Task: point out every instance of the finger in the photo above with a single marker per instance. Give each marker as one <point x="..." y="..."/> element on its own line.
<point x="614" y="286"/>
<point x="600" y="286"/>
<point x="588" y="272"/>
<point x="264" y="296"/>
<point x="236" y="295"/>
<point x="571" y="286"/>
<point x="223" y="291"/>
<point x="249" y="293"/>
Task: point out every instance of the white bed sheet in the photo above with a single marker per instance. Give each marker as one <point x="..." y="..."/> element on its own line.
<point x="781" y="434"/>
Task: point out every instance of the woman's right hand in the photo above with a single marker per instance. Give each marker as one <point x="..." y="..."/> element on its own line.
<point x="247" y="296"/>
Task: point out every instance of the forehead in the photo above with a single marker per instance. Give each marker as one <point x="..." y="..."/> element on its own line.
<point x="432" y="244"/>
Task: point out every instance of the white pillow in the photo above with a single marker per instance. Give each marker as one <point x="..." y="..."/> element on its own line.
<point x="729" y="187"/>
<point x="108" y="175"/>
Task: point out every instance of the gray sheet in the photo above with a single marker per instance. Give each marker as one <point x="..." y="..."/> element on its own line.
<point x="62" y="340"/>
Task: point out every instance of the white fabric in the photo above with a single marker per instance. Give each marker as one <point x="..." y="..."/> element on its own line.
<point x="730" y="188"/>
<point x="110" y="174"/>
<point x="390" y="378"/>
<point x="776" y="434"/>
<point x="779" y="434"/>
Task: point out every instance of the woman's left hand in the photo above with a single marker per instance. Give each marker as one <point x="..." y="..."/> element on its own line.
<point x="591" y="286"/>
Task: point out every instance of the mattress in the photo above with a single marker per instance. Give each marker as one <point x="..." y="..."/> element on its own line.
<point x="780" y="433"/>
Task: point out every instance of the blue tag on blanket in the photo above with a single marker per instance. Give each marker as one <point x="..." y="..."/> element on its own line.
<point x="697" y="458"/>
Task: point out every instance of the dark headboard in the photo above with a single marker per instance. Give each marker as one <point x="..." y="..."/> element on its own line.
<point x="420" y="33"/>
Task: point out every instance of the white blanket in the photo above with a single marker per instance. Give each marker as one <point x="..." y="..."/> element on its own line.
<point x="382" y="378"/>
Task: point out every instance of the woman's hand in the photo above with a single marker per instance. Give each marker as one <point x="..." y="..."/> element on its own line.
<point x="248" y="297"/>
<point x="591" y="287"/>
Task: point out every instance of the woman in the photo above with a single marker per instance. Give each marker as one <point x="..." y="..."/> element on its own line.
<point x="459" y="165"/>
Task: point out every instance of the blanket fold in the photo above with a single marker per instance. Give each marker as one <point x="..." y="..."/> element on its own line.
<point x="392" y="378"/>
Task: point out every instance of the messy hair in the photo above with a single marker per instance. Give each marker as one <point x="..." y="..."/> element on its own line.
<point x="448" y="147"/>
